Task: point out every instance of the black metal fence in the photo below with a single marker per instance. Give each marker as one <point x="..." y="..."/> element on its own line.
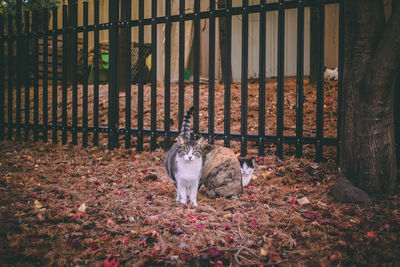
<point x="19" y="48"/>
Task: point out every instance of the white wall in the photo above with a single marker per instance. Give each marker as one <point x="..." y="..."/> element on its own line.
<point x="271" y="44"/>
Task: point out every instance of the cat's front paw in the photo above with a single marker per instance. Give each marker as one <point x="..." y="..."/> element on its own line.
<point x="183" y="201"/>
<point x="194" y="204"/>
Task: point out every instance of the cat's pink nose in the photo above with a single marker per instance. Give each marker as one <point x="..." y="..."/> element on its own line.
<point x="190" y="157"/>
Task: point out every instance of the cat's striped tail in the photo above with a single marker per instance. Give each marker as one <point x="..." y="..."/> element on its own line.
<point x="185" y="129"/>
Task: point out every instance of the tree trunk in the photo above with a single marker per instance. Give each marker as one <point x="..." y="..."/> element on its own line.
<point x="315" y="44"/>
<point x="394" y="5"/>
<point x="222" y="42"/>
<point x="397" y="121"/>
<point x="123" y="49"/>
<point x="372" y="55"/>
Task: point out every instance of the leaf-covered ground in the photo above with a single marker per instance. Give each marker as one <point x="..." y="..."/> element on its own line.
<point x="69" y="206"/>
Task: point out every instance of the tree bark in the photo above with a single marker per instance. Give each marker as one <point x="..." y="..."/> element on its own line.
<point x="372" y="55"/>
<point x="397" y="121"/>
<point x="222" y="42"/>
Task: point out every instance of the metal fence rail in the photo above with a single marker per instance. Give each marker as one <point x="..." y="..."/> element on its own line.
<point x="22" y="46"/>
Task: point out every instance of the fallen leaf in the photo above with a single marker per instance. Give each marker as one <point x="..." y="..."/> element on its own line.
<point x="293" y="201"/>
<point x="76" y="216"/>
<point x="93" y="245"/>
<point x="110" y="222"/>
<point x="371" y="234"/>
<point x="112" y="263"/>
<point x="19" y="213"/>
<point x="266" y="175"/>
<point x="309" y="215"/>
<point x="40" y="217"/>
<point x="253" y="225"/>
<point x="192" y="218"/>
<point x="292" y="243"/>
<point x="200" y="226"/>
<point x="314" y="165"/>
<point x="82" y="208"/>
<point x="263" y="252"/>
<point x="315" y="223"/>
<point x="274" y="256"/>
<point x="213" y="252"/>
<point x="302" y="201"/>
<point x="37" y="204"/>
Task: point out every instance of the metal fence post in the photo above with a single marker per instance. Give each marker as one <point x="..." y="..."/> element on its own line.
<point x="128" y="78"/>
<point x="211" y="74"/>
<point x="227" y="82"/>
<point x="320" y="86"/>
<point x="113" y="101"/>
<point x="153" y="139"/>
<point x="261" y="95"/>
<point x="281" y="73"/>
<point x="18" y="76"/>
<point x="96" y="56"/>
<point x="244" y="91"/>
<point x="54" y="85"/>
<point x="300" y="77"/>
<point x="167" y="78"/>
<point x="140" y="82"/>
<point x="85" y="76"/>
<point x="74" y="57"/>
<point x="45" y="75"/>
<point x="181" y="100"/>
<point x="64" y="97"/>
<point x="10" y="77"/>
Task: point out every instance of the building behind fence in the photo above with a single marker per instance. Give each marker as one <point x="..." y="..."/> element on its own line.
<point x="51" y="58"/>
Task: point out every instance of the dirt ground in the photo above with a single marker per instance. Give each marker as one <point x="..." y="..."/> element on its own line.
<point x="70" y="206"/>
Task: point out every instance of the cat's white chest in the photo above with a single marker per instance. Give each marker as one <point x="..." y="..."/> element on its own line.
<point x="188" y="170"/>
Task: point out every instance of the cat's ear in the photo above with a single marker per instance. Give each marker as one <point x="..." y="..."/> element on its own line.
<point x="253" y="160"/>
<point x="180" y="140"/>
<point x="200" y="142"/>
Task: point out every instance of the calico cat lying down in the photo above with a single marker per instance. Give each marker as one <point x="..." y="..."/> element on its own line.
<point x="221" y="174"/>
